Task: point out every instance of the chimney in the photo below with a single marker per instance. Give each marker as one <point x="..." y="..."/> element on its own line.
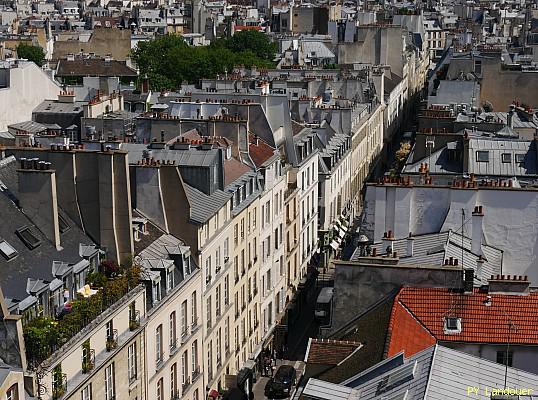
<point x="37" y="196"/>
<point x="388" y="243"/>
<point x="410" y="245"/>
<point x="476" y="239"/>
<point x="509" y="284"/>
<point x="510" y="117"/>
<point x="468" y="280"/>
<point x="479" y="266"/>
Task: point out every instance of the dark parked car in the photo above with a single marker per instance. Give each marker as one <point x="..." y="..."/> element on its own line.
<point x="282" y="383"/>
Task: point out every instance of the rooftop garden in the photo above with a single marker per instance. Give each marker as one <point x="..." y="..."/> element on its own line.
<point x="44" y="335"/>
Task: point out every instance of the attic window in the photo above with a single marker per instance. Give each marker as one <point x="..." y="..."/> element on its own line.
<point x="520" y="158"/>
<point x="64" y="226"/>
<point x="28" y="237"/>
<point x="482" y="156"/>
<point x="397" y="378"/>
<point x="506" y="157"/>
<point x="7" y="250"/>
<point x="452" y="325"/>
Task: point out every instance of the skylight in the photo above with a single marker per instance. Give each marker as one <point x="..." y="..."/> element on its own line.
<point x="28" y="237"/>
<point x="397" y="378"/>
<point x="452" y="325"/>
<point x="64" y="226"/>
<point x="7" y="250"/>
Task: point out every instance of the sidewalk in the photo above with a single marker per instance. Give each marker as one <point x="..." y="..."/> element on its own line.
<point x="259" y="386"/>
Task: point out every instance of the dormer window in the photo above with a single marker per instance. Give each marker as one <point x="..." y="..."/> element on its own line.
<point x="28" y="237"/>
<point x="452" y="325"/>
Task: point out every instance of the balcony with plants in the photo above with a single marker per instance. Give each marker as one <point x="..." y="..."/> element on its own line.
<point x="45" y="335"/>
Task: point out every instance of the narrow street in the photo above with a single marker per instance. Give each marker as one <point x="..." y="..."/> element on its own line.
<point x="259" y="386"/>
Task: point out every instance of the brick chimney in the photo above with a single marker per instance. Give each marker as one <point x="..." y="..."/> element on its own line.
<point x="476" y="239"/>
<point x="37" y="197"/>
<point x="509" y="284"/>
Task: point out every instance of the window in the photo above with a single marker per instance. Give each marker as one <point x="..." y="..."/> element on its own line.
<point x="226" y="249"/>
<point x="169" y="280"/>
<point x="131" y="362"/>
<point x="194" y="356"/>
<point x="208" y="312"/>
<point x="208" y="269"/>
<point x="184" y="367"/>
<point x="85" y="394"/>
<point x="482" y="156"/>
<point x="194" y="313"/>
<point x="217" y="301"/>
<point x="160" y="389"/>
<point x="7" y="250"/>
<point x="226" y="289"/>
<point x="159" y="345"/>
<point x="195" y="395"/>
<point x="110" y="390"/>
<point x="452" y="325"/>
<point x="520" y="158"/>
<point x="28" y="237"/>
<point x="156" y="291"/>
<point x="505" y="357"/>
<point x="172" y="330"/>
<point x="110" y="330"/>
<point x="13" y="393"/>
<point x="242" y="228"/>
<point x="173" y="381"/>
<point x="506" y="157"/>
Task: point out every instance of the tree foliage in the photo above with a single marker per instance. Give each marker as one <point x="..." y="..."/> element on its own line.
<point x="31" y="53"/>
<point x="168" y="61"/>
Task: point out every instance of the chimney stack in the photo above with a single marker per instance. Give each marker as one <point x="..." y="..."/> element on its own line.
<point x="410" y="245"/>
<point x="388" y="243"/>
<point x="38" y="199"/>
<point x="479" y="266"/>
<point x="509" y="284"/>
<point x="476" y="239"/>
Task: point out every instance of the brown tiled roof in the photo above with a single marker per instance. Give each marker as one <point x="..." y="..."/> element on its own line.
<point x="234" y="169"/>
<point x="260" y="152"/>
<point x="330" y="351"/>
<point x="480" y="323"/>
<point x="94" y="67"/>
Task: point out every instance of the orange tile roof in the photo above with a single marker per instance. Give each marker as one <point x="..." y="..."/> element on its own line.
<point x="480" y="323"/>
<point x="233" y="170"/>
<point x="260" y="152"/>
<point x="406" y="333"/>
<point x="330" y="352"/>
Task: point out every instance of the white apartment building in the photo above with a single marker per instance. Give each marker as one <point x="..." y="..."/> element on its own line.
<point x="307" y="197"/>
<point x="273" y="256"/>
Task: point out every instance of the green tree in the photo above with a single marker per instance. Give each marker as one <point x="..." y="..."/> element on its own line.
<point x="251" y="40"/>
<point x="168" y="60"/>
<point x="32" y="53"/>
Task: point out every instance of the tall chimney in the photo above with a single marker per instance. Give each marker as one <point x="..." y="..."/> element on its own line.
<point x="37" y="196"/>
<point x="510" y="117"/>
<point x="479" y="266"/>
<point x="476" y="239"/>
<point x="410" y="245"/>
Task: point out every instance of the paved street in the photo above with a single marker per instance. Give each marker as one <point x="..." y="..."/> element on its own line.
<point x="259" y="386"/>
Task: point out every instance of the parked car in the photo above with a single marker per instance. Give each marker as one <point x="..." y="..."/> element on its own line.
<point x="281" y="385"/>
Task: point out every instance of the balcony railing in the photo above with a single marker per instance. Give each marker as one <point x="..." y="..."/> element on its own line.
<point x="194" y="325"/>
<point x="88" y="360"/>
<point x="186" y="384"/>
<point x="174" y="345"/>
<point x="159" y="358"/>
<point x="217" y="269"/>
<point x="195" y="374"/>
<point x="112" y="341"/>
<point x="218" y="361"/>
<point x="208" y="280"/>
<point x="134" y="321"/>
<point x="59" y="387"/>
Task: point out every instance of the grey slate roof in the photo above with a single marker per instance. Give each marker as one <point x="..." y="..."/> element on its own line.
<point x="495" y="166"/>
<point x="438" y="163"/>
<point x="191" y="158"/>
<point x="459" y="92"/>
<point x="36" y="263"/>
<point x="432" y="249"/>
<point x="29" y="126"/>
<point x="439" y="373"/>
<point x="203" y="206"/>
